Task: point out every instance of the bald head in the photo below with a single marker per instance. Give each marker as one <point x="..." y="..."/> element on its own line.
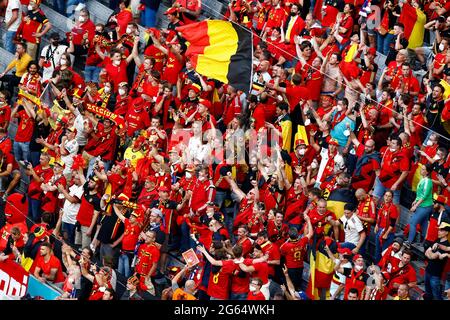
<point x="360" y="194"/>
<point x="369" y="146"/>
<point x="190" y="286"/>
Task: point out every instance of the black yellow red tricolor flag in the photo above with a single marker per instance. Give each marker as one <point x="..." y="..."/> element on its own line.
<point x="220" y="50"/>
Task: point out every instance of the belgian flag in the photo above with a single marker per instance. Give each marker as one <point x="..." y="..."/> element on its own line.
<point x="220" y="50"/>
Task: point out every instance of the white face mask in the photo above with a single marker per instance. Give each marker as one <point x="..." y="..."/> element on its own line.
<point x="339" y="108"/>
<point x="188" y="175"/>
<point x="116" y="63"/>
<point x="122" y="92"/>
<point x="436" y="158"/>
<point x="430" y="143"/>
<point x="314" y="165"/>
<point x="81" y="19"/>
<point x="441" y="47"/>
<point x="63" y="62"/>
<point x="392" y="149"/>
<point x="107" y="89"/>
<point x="30" y="7"/>
<point x="358" y="268"/>
<point x="301" y="152"/>
<point x="307" y="122"/>
<point x="201" y="178"/>
<point x="252" y="288"/>
<point x="129" y="31"/>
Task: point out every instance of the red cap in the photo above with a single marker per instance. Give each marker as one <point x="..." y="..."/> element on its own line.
<point x="333" y="142"/>
<point x="372" y="51"/>
<point x="195" y="87"/>
<point x="164" y="189"/>
<point x="356" y="257"/>
<point x="345" y="251"/>
<point x="299" y="142"/>
<point x="206" y="103"/>
<point x="138" y="103"/>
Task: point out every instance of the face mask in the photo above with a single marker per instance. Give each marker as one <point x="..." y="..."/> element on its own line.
<point x="252" y="288"/>
<point x="81" y="19"/>
<point x="339" y="108"/>
<point x="430" y="143"/>
<point x="314" y="165"/>
<point x="30" y="7"/>
<point x="358" y="268"/>
<point x="441" y="47"/>
<point x="307" y="122"/>
<point x="129" y="30"/>
<point x="392" y="149"/>
<point x="188" y="175"/>
<point x="122" y="92"/>
<point x="201" y="178"/>
<point x="436" y="158"/>
<point x="107" y="89"/>
<point x="116" y="63"/>
<point x="301" y="152"/>
<point x="63" y="61"/>
<point x="154" y="224"/>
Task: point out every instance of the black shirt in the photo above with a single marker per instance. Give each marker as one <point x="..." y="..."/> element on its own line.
<point x="436" y="266"/>
<point x="392" y="52"/>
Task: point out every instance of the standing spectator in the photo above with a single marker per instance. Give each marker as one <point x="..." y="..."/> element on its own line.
<point x="437" y="256"/>
<point x="354" y="233"/>
<point x="13" y="17"/>
<point x="385" y="227"/>
<point x="33" y="27"/>
<point x="71" y="207"/>
<point x="422" y="207"/>
<point x="20" y="63"/>
<point x="189" y="9"/>
<point x="51" y="56"/>
<point x="81" y="35"/>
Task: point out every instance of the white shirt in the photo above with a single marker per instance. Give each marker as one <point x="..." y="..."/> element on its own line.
<point x="53" y="54"/>
<point x="341" y="279"/>
<point x="70" y="210"/>
<point x="12" y="5"/>
<point x="72" y="149"/>
<point x="79" y="125"/>
<point x="352" y="228"/>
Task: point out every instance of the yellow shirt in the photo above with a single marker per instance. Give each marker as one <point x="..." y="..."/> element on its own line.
<point x="21" y="64"/>
<point x="398" y="298"/>
<point x="133" y="156"/>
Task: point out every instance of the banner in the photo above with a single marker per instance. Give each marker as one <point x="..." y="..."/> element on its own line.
<point x="105" y="113"/>
<point x="37" y="288"/>
<point x="13" y="280"/>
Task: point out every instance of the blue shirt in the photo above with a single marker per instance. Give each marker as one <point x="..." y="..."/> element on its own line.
<point x="338" y="131"/>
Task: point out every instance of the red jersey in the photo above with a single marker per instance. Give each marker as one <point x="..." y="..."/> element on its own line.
<point x="246" y="245"/>
<point x="240" y="280"/>
<point x="220" y="282"/>
<point x="320" y="222"/>
<point x="33" y="22"/>
<point x="258" y="296"/>
<point x="172" y="69"/>
<point x="117" y="74"/>
<point x="147" y="256"/>
<point x="25" y="127"/>
<point x="387" y="213"/>
<point x="201" y="192"/>
<point x="392" y="166"/>
<point x="277" y="234"/>
<point x="137" y="121"/>
<point x="46" y="267"/>
<point x="295" y="94"/>
<point x="153" y="52"/>
<point x="261" y="270"/>
<point x="274" y="254"/>
<point x="130" y="235"/>
<point x="89" y="204"/>
<point x="34" y="188"/>
<point x="294" y="252"/>
<point x="79" y="31"/>
<point x="5" y="115"/>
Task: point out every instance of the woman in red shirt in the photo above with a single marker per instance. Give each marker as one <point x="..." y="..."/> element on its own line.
<point x="385" y="227"/>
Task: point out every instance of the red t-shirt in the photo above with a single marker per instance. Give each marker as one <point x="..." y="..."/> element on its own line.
<point x="295" y="93"/>
<point x="25" y="127"/>
<point x="294" y="251"/>
<point x="34" y="188"/>
<point x="392" y="166"/>
<point x="89" y="203"/>
<point x="387" y="213"/>
<point x="147" y="256"/>
<point x="172" y="69"/>
<point x="219" y="283"/>
<point x="130" y="236"/>
<point x="274" y="254"/>
<point x="240" y="281"/>
<point x="366" y="178"/>
<point x="79" y="31"/>
<point x="117" y="74"/>
<point x="53" y="263"/>
<point x="137" y="121"/>
<point x="261" y="270"/>
<point x="258" y="296"/>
